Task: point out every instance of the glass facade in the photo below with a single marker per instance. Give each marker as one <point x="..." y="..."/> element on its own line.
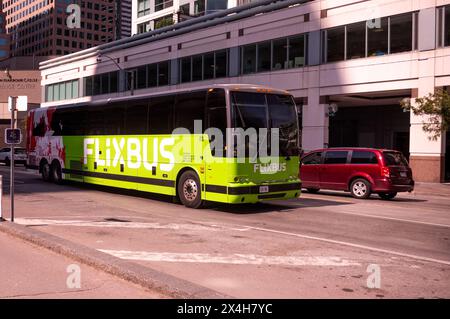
<point x="211" y="65"/>
<point x="147" y="76"/>
<point x="101" y="84"/>
<point x="376" y="37"/>
<point x="273" y="55"/>
<point x="62" y="91"/>
<point x="370" y="38"/>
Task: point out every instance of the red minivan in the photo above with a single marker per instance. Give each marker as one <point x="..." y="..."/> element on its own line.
<point x="361" y="171"/>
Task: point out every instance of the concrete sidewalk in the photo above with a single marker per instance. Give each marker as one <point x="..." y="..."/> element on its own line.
<point x="433" y="189"/>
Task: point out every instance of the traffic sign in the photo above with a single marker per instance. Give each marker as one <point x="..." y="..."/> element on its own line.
<point x="13" y="136"/>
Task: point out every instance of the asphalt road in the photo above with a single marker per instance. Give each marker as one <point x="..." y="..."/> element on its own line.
<point x="317" y="246"/>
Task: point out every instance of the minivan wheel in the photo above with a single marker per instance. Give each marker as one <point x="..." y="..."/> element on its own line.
<point x="387" y="196"/>
<point x="360" y="188"/>
<point x="313" y="190"/>
<point x="190" y="190"/>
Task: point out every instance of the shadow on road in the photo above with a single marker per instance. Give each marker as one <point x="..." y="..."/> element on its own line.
<point x="373" y="197"/>
<point x="270" y="207"/>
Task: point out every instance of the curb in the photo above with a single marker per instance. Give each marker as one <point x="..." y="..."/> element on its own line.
<point x="165" y="284"/>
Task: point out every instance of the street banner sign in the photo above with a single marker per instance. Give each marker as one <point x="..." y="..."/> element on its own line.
<point x="21" y="104"/>
<point x="13" y="136"/>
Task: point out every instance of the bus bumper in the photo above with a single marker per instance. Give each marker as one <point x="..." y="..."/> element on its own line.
<point x="258" y="193"/>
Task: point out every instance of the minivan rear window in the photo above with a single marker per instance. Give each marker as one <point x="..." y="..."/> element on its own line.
<point x="395" y="159"/>
<point x="364" y="157"/>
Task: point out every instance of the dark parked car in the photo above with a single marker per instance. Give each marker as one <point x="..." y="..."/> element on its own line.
<point x="20" y="155"/>
<point x="361" y="171"/>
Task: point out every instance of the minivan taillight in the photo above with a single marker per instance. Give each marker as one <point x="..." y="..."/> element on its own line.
<point x="385" y="172"/>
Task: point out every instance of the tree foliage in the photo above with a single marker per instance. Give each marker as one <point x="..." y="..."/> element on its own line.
<point x="436" y="107"/>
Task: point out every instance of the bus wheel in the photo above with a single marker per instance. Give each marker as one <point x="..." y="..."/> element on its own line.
<point x="45" y="171"/>
<point x="56" y="173"/>
<point x="189" y="190"/>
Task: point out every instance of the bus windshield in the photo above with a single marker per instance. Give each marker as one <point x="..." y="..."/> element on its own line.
<point x="269" y="111"/>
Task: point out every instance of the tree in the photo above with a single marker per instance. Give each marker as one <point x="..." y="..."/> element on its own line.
<point x="436" y="106"/>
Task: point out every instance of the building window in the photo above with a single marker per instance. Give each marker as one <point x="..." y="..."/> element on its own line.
<point x="61" y="91"/>
<point x="296" y="51"/>
<point x="335" y="44"/>
<point x="144" y="27"/>
<point x="249" y="59"/>
<point x="197" y="68"/>
<point x="264" y="60"/>
<point x="186" y="69"/>
<point x="447" y="26"/>
<point x="210" y="65"/>
<point x="279" y="53"/>
<point x="163" y="73"/>
<point x="356" y="40"/>
<point x="221" y="64"/>
<point x="163" y="22"/>
<point x="216" y="5"/>
<point x="101" y="84"/>
<point x="163" y="4"/>
<point x="401" y="38"/>
<point x="377" y="37"/>
<point x="199" y="7"/>
<point x="152" y="75"/>
<point x="184" y="9"/>
<point x="143" y="8"/>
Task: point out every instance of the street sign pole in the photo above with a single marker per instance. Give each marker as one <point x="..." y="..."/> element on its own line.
<point x="11" y="187"/>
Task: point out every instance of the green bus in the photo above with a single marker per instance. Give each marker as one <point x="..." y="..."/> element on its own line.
<point x="191" y="144"/>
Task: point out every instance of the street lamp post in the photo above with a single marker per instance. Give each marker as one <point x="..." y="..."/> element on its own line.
<point x="129" y="73"/>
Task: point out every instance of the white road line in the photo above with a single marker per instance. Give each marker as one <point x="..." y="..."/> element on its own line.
<point x="393" y="218"/>
<point x="343" y="243"/>
<point x="235" y="259"/>
<point x="112" y="224"/>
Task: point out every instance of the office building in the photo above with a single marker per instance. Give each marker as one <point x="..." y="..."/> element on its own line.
<point x="359" y="58"/>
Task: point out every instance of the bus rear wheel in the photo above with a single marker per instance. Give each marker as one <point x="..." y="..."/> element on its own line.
<point x="45" y="171"/>
<point x="190" y="190"/>
<point x="56" y="173"/>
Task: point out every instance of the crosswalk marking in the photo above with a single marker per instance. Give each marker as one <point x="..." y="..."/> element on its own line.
<point x="115" y="224"/>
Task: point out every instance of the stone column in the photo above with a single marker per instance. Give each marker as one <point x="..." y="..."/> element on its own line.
<point x="427" y="156"/>
<point x="315" y="122"/>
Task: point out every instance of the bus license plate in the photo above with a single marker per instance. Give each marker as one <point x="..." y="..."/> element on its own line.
<point x="263" y="189"/>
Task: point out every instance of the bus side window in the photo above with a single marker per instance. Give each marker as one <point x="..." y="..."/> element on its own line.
<point x="115" y="120"/>
<point x="57" y="123"/>
<point x="95" y="120"/>
<point x="160" y="115"/>
<point x="216" y="117"/>
<point x="136" y="118"/>
<point x="188" y="108"/>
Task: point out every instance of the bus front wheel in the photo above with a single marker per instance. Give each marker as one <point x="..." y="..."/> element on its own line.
<point x="190" y="190"/>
